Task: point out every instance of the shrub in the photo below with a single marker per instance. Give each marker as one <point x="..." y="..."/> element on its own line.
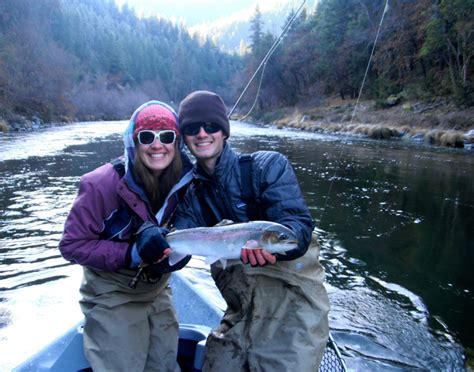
<point x="4" y="126"/>
<point x="272" y="116"/>
<point x="458" y="121"/>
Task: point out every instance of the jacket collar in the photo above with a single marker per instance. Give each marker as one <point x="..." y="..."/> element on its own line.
<point x="223" y="165"/>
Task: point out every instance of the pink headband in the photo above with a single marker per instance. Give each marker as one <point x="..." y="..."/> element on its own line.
<point x="155" y="117"/>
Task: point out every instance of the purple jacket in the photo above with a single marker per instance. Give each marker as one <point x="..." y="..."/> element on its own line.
<point x="109" y="209"/>
<point x="105" y="215"/>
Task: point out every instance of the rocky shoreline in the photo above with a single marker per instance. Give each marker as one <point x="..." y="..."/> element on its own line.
<point x="437" y="123"/>
<point x="19" y="123"/>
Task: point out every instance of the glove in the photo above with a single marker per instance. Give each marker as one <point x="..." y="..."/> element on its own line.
<point x="164" y="267"/>
<point x="150" y="244"/>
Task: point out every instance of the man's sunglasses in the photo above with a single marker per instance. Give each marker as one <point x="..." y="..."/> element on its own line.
<point x="148" y="137"/>
<point x="194" y="128"/>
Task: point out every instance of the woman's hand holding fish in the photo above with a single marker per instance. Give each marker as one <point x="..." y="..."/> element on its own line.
<point x="151" y="244"/>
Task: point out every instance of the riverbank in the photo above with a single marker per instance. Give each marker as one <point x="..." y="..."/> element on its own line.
<point x="437" y="122"/>
<point x="19" y="123"/>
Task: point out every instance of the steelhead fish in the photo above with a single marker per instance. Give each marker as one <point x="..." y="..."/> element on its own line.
<point x="224" y="242"/>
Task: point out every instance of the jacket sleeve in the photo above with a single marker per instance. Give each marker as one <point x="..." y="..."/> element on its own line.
<point x="80" y="242"/>
<point x="282" y="199"/>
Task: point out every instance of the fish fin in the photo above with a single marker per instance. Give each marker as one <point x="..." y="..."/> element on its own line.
<point x="175" y="257"/>
<point x="210" y="260"/>
<point x="224" y="223"/>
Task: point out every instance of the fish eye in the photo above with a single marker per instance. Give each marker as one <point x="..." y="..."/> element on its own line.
<point x="283" y="236"/>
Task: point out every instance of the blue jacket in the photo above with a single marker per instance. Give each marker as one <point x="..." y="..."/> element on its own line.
<point x="211" y="199"/>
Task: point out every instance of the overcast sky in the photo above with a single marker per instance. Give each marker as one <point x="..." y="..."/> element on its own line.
<point x="192" y="11"/>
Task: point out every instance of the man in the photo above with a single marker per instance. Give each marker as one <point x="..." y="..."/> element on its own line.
<point x="277" y="307"/>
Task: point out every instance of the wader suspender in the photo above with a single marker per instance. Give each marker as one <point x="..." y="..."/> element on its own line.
<point x="245" y="162"/>
<point x="119" y="166"/>
<point x="253" y="213"/>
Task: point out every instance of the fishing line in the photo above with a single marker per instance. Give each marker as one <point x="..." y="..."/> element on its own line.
<point x="256" y="95"/>
<point x="264" y="62"/>
<point x="354" y="111"/>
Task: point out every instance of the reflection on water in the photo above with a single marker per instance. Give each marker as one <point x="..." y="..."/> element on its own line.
<point x="39" y="172"/>
<point x="394" y="222"/>
<point x="54" y="140"/>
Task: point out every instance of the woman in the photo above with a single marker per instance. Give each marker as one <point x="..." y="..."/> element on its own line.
<point x="115" y="230"/>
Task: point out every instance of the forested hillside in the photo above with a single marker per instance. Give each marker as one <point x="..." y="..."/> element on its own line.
<point x="425" y="49"/>
<point x="88" y="59"/>
<point x="232" y="33"/>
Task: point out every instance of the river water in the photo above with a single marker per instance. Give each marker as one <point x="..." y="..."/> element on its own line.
<point x="395" y="222"/>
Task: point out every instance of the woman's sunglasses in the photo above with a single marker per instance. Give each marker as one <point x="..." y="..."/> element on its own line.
<point x="148" y="137"/>
<point x="194" y="128"/>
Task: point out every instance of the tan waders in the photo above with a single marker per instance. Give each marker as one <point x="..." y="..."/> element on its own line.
<point x="128" y="329"/>
<point x="276" y="319"/>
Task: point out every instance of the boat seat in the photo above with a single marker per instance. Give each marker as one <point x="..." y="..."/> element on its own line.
<point x="192" y="342"/>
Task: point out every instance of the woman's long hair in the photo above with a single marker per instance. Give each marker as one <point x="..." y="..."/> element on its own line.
<point x="157" y="188"/>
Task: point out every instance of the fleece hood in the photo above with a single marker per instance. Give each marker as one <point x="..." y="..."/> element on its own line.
<point x="153" y="115"/>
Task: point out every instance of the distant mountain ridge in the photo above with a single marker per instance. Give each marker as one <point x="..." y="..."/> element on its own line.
<point x="232" y="33"/>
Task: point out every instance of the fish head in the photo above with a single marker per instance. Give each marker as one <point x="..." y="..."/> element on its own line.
<point x="277" y="238"/>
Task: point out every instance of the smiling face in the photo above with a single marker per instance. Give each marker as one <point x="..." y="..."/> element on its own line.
<point x="206" y="147"/>
<point x="156" y="157"/>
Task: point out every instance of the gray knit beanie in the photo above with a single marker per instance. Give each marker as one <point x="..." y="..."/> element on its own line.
<point x="203" y="106"/>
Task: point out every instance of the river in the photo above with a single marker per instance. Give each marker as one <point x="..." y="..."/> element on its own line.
<point x="395" y="222"/>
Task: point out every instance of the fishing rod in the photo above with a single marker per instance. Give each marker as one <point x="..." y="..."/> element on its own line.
<point x="264" y="62"/>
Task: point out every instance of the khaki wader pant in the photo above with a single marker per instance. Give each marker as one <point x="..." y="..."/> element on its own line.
<point x="276" y="317"/>
<point x="128" y="329"/>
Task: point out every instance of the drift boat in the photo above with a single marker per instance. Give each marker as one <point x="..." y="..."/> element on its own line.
<point x="197" y="316"/>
